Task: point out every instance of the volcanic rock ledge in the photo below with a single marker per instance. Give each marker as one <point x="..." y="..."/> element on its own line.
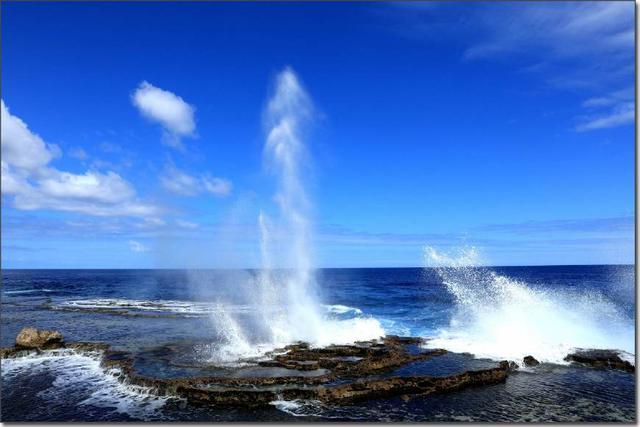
<point x="333" y="374"/>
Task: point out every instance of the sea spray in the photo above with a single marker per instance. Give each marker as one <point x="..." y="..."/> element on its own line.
<point x="503" y="318"/>
<point x="287" y="113"/>
<point x="272" y="308"/>
<point x="283" y="294"/>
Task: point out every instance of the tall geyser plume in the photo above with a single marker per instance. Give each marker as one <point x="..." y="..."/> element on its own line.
<point x="287" y="114"/>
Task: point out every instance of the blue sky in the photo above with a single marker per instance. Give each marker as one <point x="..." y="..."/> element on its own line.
<point x="133" y="134"/>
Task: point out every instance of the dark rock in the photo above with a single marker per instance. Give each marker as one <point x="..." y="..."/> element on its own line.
<point x="88" y="346"/>
<point x="513" y="366"/>
<point x="530" y="361"/>
<point x="351" y="360"/>
<point x="15" y="352"/>
<point x="32" y="338"/>
<point x="423" y="385"/>
<point x="609" y="359"/>
<point x="395" y="340"/>
<point x="350" y="373"/>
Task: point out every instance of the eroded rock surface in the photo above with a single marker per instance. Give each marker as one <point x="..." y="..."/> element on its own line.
<point x="530" y="361"/>
<point x="349" y="373"/>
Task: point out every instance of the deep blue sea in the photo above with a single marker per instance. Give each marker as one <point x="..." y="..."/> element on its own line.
<point x="482" y="314"/>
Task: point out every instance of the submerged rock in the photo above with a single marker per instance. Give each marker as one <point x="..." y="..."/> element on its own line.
<point x="600" y="359"/>
<point x="32" y="338"/>
<point x="530" y="361"/>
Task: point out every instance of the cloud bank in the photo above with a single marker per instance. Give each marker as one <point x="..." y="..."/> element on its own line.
<point x="32" y="183"/>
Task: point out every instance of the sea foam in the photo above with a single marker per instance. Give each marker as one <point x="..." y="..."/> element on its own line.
<point x="80" y="377"/>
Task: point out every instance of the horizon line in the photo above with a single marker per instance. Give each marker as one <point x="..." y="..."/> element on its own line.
<point x="318" y="268"/>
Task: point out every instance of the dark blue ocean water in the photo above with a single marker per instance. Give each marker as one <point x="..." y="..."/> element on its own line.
<point x="497" y="314"/>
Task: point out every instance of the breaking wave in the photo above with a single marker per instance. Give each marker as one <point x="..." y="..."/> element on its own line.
<point x="502" y="318"/>
<point x="80" y="378"/>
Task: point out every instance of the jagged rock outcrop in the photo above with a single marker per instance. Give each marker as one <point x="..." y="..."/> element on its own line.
<point x="530" y="361"/>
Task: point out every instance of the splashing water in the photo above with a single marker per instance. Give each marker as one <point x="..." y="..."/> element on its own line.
<point x="83" y="381"/>
<point x="286" y="302"/>
<point x="502" y="318"/>
<point x="301" y="316"/>
<point x="287" y="112"/>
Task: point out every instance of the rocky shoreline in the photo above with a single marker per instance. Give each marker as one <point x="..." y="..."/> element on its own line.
<point x="332" y="375"/>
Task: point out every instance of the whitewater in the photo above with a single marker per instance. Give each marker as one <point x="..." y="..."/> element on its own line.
<point x="499" y="317"/>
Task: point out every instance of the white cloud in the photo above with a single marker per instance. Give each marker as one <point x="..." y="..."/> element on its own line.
<point x="613" y="109"/>
<point x="33" y="184"/>
<point x="168" y="109"/>
<point x="138" y="247"/>
<point x="105" y="188"/>
<point x="586" y="46"/>
<point x="622" y="114"/>
<point x="21" y="147"/>
<point x="178" y="182"/>
<point x="181" y="183"/>
<point x="559" y="31"/>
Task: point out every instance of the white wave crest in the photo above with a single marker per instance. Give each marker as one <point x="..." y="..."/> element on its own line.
<point x="176" y="306"/>
<point x="158" y="306"/>
<point x="502" y="318"/>
<point x="79" y="375"/>
<point x="27" y="291"/>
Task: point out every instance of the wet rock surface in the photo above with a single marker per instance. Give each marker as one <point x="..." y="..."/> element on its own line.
<point x="530" y="361"/>
<point x="334" y="375"/>
<point x="609" y="359"/>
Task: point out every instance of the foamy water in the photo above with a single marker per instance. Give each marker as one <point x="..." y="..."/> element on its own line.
<point x="236" y="340"/>
<point x="179" y="307"/>
<point x="79" y="376"/>
<point x="502" y="318"/>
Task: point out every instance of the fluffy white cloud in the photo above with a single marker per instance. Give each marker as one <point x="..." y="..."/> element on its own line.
<point x="21" y="147"/>
<point x="168" y="109"/>
<point x="105" y="188"/>
<point x="179" y="182"/>
<point x="33" y="184"/>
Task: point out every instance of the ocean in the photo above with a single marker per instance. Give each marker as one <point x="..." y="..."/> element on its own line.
<point x="480" y="315"/>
